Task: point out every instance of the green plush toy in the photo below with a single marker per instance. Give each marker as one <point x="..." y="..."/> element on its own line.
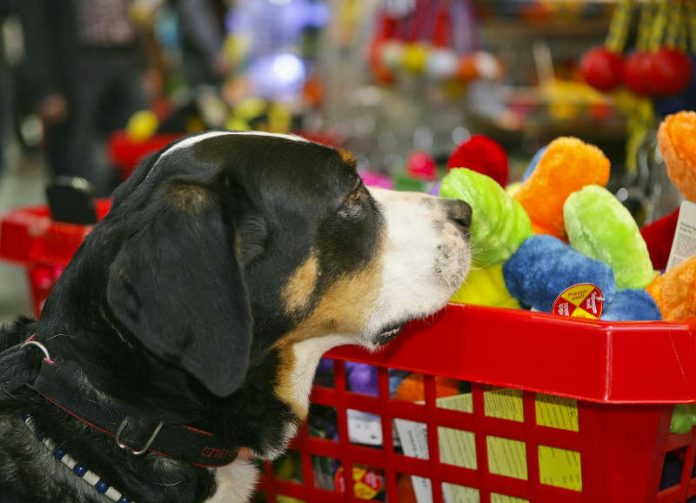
<point x="485" y="287"/>
<point x="600" y="227"/>
<point x="499" y="224"/>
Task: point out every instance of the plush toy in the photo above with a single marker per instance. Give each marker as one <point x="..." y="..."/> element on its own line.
<point x="483" y="155"/>
<point x="599" y="226"/>
<point x="485" y="287"/>
<point x="499" y="223"/>
<point x="675" y="291"/>
<point x="545" y="266"/>
<point x="421" y="166"/>
<point x="677" y="141"/>
<point x="142" y="125"/>
<point x="412" y="389"/>
<point x="678" y="147"/>
<point x="632" y="305"/>
<point x="683" y="419"/>
<point x="566" y="166"/>
<point x="533" y="163"/>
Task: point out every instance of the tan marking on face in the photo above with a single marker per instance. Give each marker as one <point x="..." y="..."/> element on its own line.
<point x="347" y="157"/>
<point x="297" y="292"/>
<point x="190" y="197"/>
<point x="343" y="309"/>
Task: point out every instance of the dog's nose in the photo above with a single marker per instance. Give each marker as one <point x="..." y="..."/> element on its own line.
<point x="459" y="212"/>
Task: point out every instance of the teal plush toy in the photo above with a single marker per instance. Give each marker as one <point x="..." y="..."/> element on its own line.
<point x="599" y="227"/>
<point x="499" y="224"/>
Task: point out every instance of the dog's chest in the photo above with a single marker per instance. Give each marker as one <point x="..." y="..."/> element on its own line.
<point x="300" y="364"/>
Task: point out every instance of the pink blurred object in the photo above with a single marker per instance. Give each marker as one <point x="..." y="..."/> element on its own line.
<point x="421" y="166"/>
<point x="376" y="179"/>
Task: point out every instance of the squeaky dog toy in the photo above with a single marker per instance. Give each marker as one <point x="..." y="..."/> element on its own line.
<point x="499" y="224"/>
<point x="675" y="291"/>
<point x="599" y="226"/>
<point x="483" y="155"/>
<point x="677" y="141"/>
<point x="544" y="267"/>
<point x="566" y="166"/>
<point x="632" y="305"/>
<point x="485" y="287"/>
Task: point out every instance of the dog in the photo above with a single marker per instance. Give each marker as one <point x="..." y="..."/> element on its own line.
<point x="180" y="343"/>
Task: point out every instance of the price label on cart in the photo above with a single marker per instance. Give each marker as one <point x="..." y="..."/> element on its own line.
<point x="583" y="300"/>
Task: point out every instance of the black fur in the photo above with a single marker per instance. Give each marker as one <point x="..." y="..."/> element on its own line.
<point x="173" y="303"/>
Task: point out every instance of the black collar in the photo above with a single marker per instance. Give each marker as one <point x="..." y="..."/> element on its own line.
<point x="56" y="381"/>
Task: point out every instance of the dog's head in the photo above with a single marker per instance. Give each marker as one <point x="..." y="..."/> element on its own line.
<point x="226" y="245"/>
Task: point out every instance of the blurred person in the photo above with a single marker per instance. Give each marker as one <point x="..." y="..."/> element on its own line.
<point x="202" y="27"/>
<point x="87" y="65"/>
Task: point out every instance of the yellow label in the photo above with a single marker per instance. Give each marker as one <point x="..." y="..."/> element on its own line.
<point x="457" y="447"/>
<point x="460" y="494"/>
<point x="360" y="489"/>
<point x="504" y="404"/>
<point x="560" y="468"/>
<point x="557" y="412"/>
<point x="502" y="498"/>
<point x="577" y="294"/>
<point x="557" y="467"/>
<point x="507" y="457"/>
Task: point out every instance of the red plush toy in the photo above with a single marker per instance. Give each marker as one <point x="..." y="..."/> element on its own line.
<point x="483" y="155"/>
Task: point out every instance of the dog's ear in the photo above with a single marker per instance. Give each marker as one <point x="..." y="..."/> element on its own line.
<point x="177" y="286"/>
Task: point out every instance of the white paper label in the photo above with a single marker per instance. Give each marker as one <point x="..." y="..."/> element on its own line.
<point x="684" y="244"/>
<point x="364" y="428"/>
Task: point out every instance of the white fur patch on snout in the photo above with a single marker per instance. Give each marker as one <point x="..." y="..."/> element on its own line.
<point x="426" y="258"/>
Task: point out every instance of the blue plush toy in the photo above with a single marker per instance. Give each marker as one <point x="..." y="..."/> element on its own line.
<point x="632" y="305"/>
<point x="544" y="266"/>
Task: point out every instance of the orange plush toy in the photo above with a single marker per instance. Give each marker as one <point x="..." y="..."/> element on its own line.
<point x="677" y="140"/>
<point x="566" y="166"/>
<point x="675" y="291"/>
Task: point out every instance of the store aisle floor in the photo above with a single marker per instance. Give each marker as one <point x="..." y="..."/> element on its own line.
<point x="22" y="184"/>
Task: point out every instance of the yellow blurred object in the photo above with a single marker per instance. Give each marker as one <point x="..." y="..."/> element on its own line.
<point x="237" y="124"/>
<point x="236" y="48"/>
<point x="250" y="108"/>
<point x="415" y="58"/>
<point x="485" y="287"/>
<point x="567" y="99"/>
<point x="142" y="125"/>
<point x="279" y="118"/>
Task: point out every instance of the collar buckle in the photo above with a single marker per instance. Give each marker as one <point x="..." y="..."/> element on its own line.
<point x="145" y="448"/>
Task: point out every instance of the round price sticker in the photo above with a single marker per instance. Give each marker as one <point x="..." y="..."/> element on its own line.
<point x="583" y="300"/>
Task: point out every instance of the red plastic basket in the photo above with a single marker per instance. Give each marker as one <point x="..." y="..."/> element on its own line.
<point x="126" y="153"/>
<point x="621" y="378"/>
<point x="30" y="238"/>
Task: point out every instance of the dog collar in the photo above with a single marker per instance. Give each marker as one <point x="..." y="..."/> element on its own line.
<point x="56" y="382"/>
<point x="78" y="469"/>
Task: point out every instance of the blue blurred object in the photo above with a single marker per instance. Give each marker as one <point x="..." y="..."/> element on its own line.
<point x="632" y="305"/>
<point x="533" y="163"/>
<point x="362" y="378"/>
<point x="544" y="266"/>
